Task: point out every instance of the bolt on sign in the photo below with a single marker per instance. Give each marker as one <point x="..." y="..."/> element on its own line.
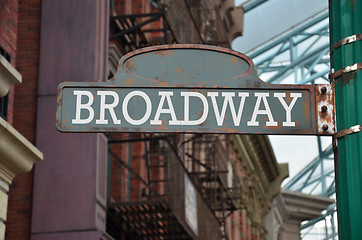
<point x="196" y="89"/>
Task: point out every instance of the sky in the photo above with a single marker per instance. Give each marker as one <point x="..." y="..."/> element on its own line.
<point x="297" y="151"/>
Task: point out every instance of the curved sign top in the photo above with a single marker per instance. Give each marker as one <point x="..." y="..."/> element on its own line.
<point x="186" y="66"/>
<point x="193" y="88"/>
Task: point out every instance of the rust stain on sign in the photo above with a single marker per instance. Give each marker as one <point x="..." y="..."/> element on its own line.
<point x="234" y="60"/>
<point x="325" y="109"/>
<point x="129" y="82"/>
<point x="129" y="65"/>
<point x="178" y="70"/>
<point x="162" y="53"/>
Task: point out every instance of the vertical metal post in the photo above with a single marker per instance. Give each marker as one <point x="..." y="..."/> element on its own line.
<point x="345" y="25"/>
<point x="293" y="57"/>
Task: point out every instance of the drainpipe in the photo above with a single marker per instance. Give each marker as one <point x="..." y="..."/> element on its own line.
<point x="346" y="61"/>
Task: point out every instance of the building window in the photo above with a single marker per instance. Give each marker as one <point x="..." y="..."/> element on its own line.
<point x="4" y="106"/>
<point x="4" y="101"/>
<point x="4" y="53"/>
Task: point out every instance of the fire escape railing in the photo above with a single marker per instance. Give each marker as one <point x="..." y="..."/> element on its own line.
<point x="134" y="31"/>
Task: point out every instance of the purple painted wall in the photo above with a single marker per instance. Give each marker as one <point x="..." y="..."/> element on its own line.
<point x="69" y="187"/>
<point x="73" y="236"/>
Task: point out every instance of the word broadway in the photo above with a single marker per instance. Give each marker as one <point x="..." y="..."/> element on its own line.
<point x="175" y="109"/>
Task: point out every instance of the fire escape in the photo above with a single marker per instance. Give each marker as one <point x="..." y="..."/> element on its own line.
<point x="147" y="191"/>
<point x="133" y="31"/>
<point x="207" y="163"/>
<point x="141" y="204"/>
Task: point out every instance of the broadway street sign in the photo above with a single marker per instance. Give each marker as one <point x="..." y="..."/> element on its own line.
<point x="196" y="89"/>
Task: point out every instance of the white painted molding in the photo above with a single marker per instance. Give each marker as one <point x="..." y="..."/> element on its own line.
<point x="8" y="76"/>
<point x="304" y="206"/>
<point x="17" y="154"/>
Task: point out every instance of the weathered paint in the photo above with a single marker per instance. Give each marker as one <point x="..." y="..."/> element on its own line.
<point x="150" y="93"/>
<point x="346" y="24"/>
<point x="325" y="109"/>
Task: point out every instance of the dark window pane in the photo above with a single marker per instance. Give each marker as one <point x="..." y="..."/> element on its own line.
<point x="4" y="106"/>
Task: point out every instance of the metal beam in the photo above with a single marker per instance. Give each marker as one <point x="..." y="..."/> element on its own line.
<point x="308" y="168"/>
<point x="260" y="59"/>
<point x="285" y="37"/>
<point x="301" y="60"/>
<point x="250" y="5"/>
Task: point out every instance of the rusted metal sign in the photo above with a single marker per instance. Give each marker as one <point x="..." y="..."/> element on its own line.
<point x="193" y="88"/>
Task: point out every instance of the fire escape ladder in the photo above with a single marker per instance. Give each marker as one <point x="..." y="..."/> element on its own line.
<point x="209" y="170"/>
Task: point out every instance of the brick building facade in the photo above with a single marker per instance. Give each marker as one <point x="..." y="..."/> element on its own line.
<point x="27" y="62"/>
<point x="16" y="153"/>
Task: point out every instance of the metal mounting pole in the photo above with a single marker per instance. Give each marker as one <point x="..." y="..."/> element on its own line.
<point x="346" y="58"/>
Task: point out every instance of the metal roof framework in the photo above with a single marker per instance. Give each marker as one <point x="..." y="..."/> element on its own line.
<point x="297" y="54"/>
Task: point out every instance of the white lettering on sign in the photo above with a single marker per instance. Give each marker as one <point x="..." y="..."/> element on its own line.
<point x="85" y="106"/>
<point x="205" y="111"/>
<point x="125" y="107"/>
<point x="266" y="111"/>
<point x="170" y="110"/>
<point x="228" y="100"/>
<point x="110" y="107"/>
<point x="288" y="109"/>
<point x="109" y="102"/>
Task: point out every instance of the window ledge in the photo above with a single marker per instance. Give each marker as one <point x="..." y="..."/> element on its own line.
<point x="17" y="154"/>
<point x="8" y="76"/>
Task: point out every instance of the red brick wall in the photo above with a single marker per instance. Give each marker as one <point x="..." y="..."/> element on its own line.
<point x="18" y="225"/>
<point x="118" y="178"/>
<point x="120" y="175"/>
<point x="125" y="7"/>
<point x="8" y="31"/>
<point x="138" y="165"/>
<point x="8" y="28"/>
